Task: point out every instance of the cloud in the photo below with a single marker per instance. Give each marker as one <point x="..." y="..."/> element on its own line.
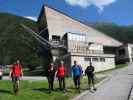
<point x="31" y="17"/>
<point x="100" y="4"/>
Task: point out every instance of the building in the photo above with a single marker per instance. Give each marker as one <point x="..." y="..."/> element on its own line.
<point x="125" y="53"/>
<point x="77" y="41"/>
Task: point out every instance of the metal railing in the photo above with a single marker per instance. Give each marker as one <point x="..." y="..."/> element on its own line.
<point x="86" y="51"/>
<point x="60" y="43"/>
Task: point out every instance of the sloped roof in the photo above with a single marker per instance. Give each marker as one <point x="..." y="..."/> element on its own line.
<point x="59" y="23"/>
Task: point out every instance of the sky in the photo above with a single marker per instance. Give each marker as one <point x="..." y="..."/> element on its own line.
<point x="114" y="11"/>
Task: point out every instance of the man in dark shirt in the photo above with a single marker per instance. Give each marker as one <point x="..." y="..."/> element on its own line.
<point x="51" y="75"/>
<point x="90" y="74"/>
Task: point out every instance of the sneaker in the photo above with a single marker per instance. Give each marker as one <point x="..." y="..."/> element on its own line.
<point x="94" y="89"/>
<point x="49" y="91"/>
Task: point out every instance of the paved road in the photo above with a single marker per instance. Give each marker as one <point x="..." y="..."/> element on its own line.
<point x="118" y="87"/>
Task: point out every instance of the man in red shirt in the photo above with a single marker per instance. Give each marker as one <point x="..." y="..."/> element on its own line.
<point x="61" y="76"/>
<point x="15" y="73"/>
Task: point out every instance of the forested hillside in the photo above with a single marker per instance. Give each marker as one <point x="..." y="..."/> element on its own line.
<point x="121" y="33"/>
<point x="15" y="42"/>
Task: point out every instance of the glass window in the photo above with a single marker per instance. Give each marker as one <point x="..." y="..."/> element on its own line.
<point x="121" y="52"/>
<point x="95" y="59"/>
<point x="102" y="59"/>
<point x="55" y="37"/>
<point x="132" y="50"/>
<point x="87" y="59"/>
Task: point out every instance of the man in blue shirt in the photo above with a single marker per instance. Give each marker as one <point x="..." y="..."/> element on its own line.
<point x="76" y="73"/>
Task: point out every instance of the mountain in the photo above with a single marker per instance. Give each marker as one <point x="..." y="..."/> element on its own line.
<point x="15" y="42"/>
<point x="119" y="32"/>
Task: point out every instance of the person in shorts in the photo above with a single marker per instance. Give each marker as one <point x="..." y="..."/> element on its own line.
<point x="51" y="76"/>
<point x="90" y="74"/>
<point x="15" y="74"/>
<point x="61" y="76"/>
<point x="76" y="73"/>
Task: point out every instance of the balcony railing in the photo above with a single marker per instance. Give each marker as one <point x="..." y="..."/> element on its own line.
<point x="86" y="51"/>
<point x="58" y="43"/>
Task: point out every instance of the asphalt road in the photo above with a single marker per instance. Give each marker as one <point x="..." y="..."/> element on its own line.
<point x="117" y="87"/>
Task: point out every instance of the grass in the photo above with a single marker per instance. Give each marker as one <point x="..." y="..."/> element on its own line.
<point x="38" y="90"/>
<point x="119" y="66"/>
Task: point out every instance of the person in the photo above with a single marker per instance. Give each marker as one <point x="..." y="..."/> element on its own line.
<point x="76" y="73"/>
<point x="90" y="74"/>
<point x="61" y="76"/>
<point x="15" y="74"/>
<point x="1" y="72"/>
<point x="50" y="77"/>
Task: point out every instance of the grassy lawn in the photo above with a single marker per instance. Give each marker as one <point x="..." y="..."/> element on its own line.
<point x="37" y="90"/>
<point x="119" y="66"/>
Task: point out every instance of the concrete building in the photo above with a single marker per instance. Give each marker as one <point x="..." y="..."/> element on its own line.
<point x="79" y="41"/>
<point x="125" y="53"/>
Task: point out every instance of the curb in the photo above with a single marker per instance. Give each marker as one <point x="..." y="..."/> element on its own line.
<point x="97" y="85"/>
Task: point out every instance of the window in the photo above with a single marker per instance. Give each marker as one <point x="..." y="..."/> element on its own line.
<point x="132" y="50"/>
<point x="87" y="59"/>
<point x="102" y="59"/>
<point x="55" y="37"/>
<point x="122" y="52"/>
<point x="95" y="59"/>
<point x="77" y="36"/>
